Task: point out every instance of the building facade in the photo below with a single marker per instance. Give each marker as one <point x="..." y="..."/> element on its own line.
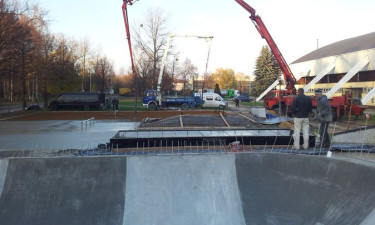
<point x="344" y="67"/>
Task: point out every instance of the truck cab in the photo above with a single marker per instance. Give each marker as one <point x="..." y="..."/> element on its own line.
<point x="149" y="100"/>
<point x="273" y="99"/>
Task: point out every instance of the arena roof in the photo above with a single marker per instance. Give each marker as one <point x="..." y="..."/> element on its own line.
<point x="354" y="44"/>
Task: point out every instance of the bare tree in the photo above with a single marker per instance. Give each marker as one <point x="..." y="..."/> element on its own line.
<point x="64" y="74"/>
<point x="25" y="47"/>
<point x="150" y="38"/>
<point x="188" y="71"/>
<point x="48" y="45"/>
<point x="84" y="53"/>
<point x="104" y="72"/>
<point x="34" y="61"/>
<point x="8" y="26"/>
<point x="19" y="36"/>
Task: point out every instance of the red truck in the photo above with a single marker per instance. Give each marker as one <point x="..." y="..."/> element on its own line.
<point x="341" y="105"/>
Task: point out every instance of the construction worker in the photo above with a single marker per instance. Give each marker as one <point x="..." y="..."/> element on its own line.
<point x="324" y="115"/>
<point x="301" y="107"/>
<point x="237" y="101"/>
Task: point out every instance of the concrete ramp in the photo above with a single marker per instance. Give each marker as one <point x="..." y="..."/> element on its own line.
<point x="3" y="172"/>
<point x="205" y="189"/>
<point x="184" y="190"/>
<point x="63" y="191"/>
<point x="289" y="189"/>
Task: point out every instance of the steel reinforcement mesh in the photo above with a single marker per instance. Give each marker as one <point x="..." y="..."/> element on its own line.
<point x="169" y="122"/>
<point x="204" y="121"/>
<point x="237" y="121"/>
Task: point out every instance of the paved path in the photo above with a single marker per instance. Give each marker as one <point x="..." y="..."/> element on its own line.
<point x="10" y="108"/>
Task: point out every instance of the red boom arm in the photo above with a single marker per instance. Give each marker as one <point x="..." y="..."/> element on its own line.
<point x="259" y="25"/>
<point x="125" y="14"/>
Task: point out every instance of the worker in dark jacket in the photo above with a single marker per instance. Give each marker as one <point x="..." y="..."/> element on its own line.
<point x="301" y="108"/>
<point x="324" y="115"/>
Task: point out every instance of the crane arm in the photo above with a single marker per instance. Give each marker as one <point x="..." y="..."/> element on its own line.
<point x="125" y="15"/>
<point x="259" y="25"/>
<point x="169" y="40"/>
<point x="165" y="54"/>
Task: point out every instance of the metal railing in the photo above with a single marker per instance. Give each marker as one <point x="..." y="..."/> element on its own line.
<point x="90" y="121"/>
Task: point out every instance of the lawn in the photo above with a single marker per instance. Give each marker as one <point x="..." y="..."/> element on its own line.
<point x="127" y="104"/>
<point x="362" y="118"/>
<point x="252" y="103"/>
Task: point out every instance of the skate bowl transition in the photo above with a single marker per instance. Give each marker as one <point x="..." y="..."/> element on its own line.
<point x="199" y="189"/>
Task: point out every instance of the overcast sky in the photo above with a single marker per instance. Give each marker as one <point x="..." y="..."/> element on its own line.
<point x="297" y="26"/>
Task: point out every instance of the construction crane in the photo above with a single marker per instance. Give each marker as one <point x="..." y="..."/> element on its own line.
<point x="169" y="41"/>
<point x="282" y="99"/>
<point x="126" y="22"/>
<point x="259" y="25"/>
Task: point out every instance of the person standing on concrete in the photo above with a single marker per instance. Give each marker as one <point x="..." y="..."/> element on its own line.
<point x="116" y="104"/>
<point x="301" y="107"/>
<point x="324" y="115"/>
<point x="237" y="102"/>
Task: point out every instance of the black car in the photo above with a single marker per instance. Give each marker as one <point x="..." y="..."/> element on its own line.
<point x="243" y="98"/>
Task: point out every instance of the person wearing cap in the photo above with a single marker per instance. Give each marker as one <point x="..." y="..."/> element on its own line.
<point x="301" y="107"/>
<point x="324" y="115"/>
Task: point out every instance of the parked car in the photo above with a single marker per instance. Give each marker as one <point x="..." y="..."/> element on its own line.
<point x="243" y="98"/>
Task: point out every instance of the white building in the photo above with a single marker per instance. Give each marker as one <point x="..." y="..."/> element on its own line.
<point x="346" y="66"/>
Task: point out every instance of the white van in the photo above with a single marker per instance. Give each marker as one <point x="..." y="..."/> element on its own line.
<point x="213" y="100"/>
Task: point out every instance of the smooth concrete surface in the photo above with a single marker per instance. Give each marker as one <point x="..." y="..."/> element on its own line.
<point x="3" y="172"/>
<point x="282" y="189"/>
<point x="64" y="191"/>
<point x="58" y="134"/>
<point x="184" y="190"/>
<point x="370" y="220"/>
<point x="201" y="189"/>
<point x="357" y="136"/>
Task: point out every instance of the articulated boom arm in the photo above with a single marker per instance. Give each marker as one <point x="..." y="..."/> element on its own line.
<point x="170" y="37"/>
<point x="125" y="14"/>
<point x="259" y="25"/>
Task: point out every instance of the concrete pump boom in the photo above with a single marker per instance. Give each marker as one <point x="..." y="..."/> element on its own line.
<point x="125" y="15"/>
<point x="259" y="25"/>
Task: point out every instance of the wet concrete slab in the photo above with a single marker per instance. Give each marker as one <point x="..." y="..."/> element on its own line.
<point x="58" y="134"/>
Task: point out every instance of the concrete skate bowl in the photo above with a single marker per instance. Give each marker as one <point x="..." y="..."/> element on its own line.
<point x="243" y="188"/>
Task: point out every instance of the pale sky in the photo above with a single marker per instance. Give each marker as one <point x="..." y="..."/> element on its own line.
<point x="295" y="26"/>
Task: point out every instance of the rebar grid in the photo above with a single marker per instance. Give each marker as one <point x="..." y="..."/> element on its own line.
<point x="202" y="121"/>
<point x="358" y="152"/>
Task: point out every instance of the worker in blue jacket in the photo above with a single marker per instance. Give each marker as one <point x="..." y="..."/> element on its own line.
<point x="324" y="115"/>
